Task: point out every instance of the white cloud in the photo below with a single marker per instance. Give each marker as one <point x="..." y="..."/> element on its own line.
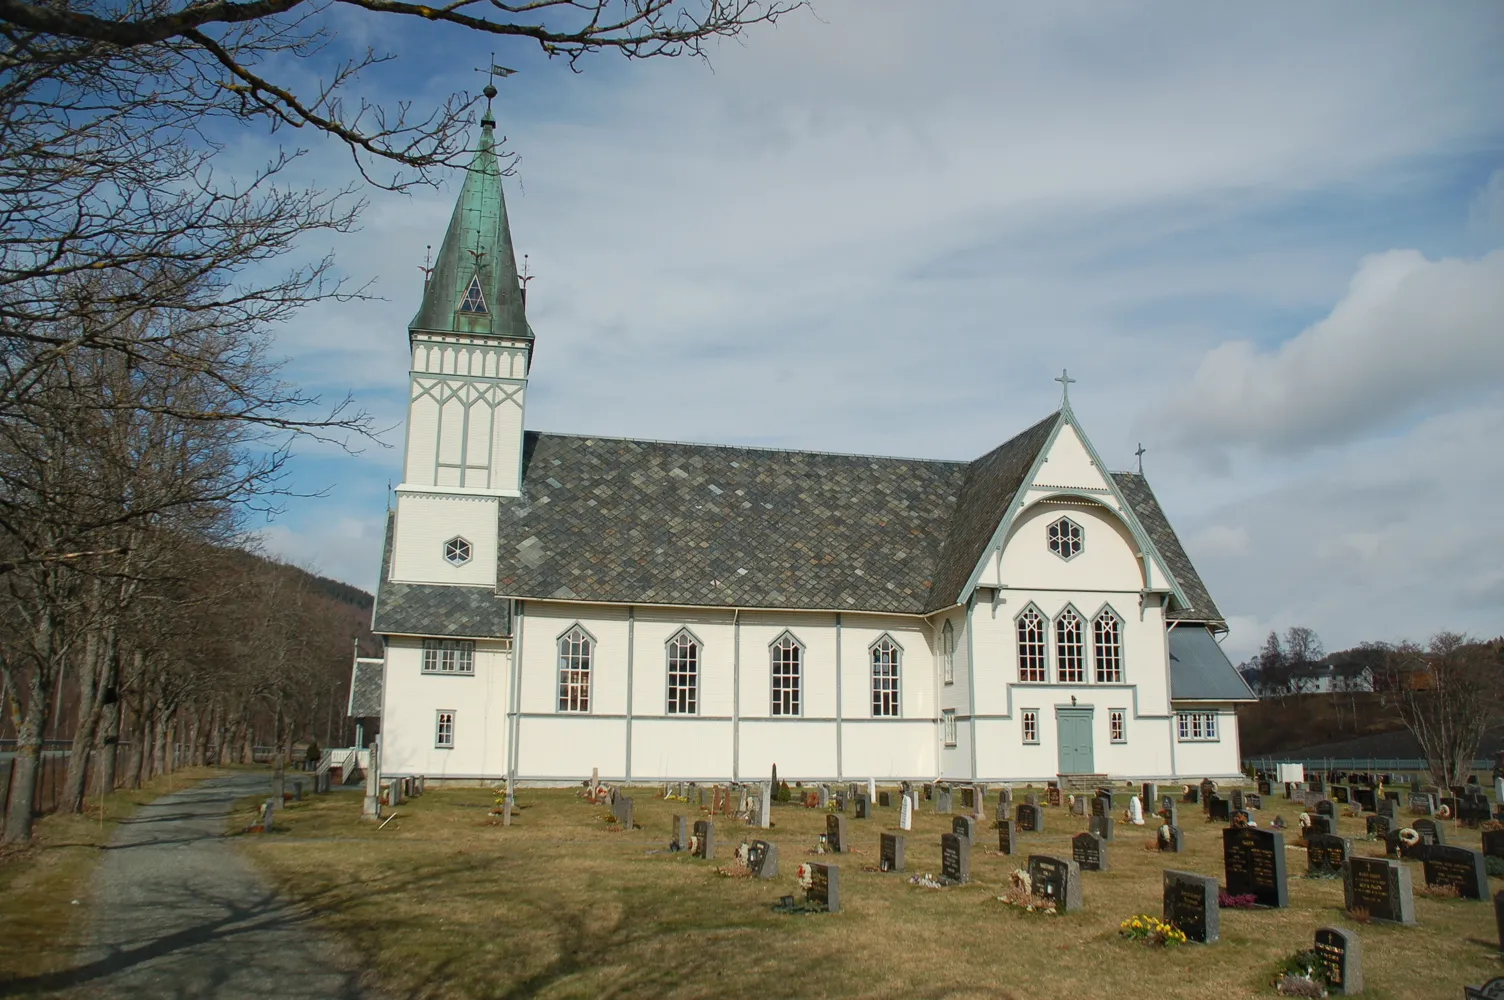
<point x="1410" y="332"/>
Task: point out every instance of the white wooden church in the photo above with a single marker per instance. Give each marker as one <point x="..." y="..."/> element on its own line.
<point x="552" y="603"/>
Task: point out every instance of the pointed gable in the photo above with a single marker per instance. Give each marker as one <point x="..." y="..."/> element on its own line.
<point x="1068" y="465"/>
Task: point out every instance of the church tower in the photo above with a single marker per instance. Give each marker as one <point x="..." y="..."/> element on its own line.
<point x="471" y="349"/>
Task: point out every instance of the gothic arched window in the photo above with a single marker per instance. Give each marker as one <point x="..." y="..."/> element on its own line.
<point x="1031" y="646"/>
<point x="683" y="674"/>
<point x="886" y="656"/>
<point x="1070" y="648"/>
<point x="948" y="653"/>
<point x="787" y="655"/>
<point x="1107" y="647"/>
<point x="576" y="652"/>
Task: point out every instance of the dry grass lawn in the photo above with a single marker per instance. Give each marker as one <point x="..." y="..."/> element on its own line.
<point x="41" y="925"/>
<point x="444" y="903"/>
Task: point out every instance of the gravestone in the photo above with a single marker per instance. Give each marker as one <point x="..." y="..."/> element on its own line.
<point x="1236" y="798"/>
<point x="823" y="802"/>
<point x="268" y="815"/>
<point x="1340" y="955"/>
<point x="1460" y="867"/>
<point x="1003" y="813"/>
<point x="1103" y="826"/>
<point x="622" y="809"/>
<point x="1192" y="795"/>
<point x="705" y="832"/>
<point x="1253" y="800"/>
<point x="1493" y="843"/>
<point x="884" y="800"/>
<point x="1149" y="794"/>
<point x="1056" y="879"/>
<point x="1190" y="904"/>
<point x="840" y="802"/>
<point x="825" y="887"/>
<point x="762" y="858"/>
<point x="1265" y="788"/>
<point x="891" y="853"/>
<point x="929" y="791"/>
<point x="1079" y="806"/>
<point x="1321" y="825"/>
<point x="1171" y="815"/>
<point x="968" y="798"/>
<point x="964" y="826"/>
<point x="1472" y="811"/>
<point x="1101" y="805"/>
<point x="1388" y="808"/>
<point x="1255" y="863"/>
<point x="1052" y="795"/>
<point x="680" y="839"/>
<point x="764" y="811"/>
<point x="1431" y="832"/>
<point x="1007" y="833"/>
<point x="1365" y="799"/>
<point x="835" y="833"/>
<point x="1089" y="852"/>
<point x="1170" y="839"/>
<point x="1326" y="807"/>
<point x="1218" y="809"/>
<point x="1342" y="794"/>
<point x="1030" y="818"/>
<point x="955" y="857"/>
<point x="1326" y="854"/>
<point x="297" y="791"/>
<point x="906" y="812"/>
<point x="1135" y="811"/>
<point x="1379" y="826"/>
<point x="943" y="800"/>
<point x="862" y="806"/>
<point x="1031" y="798"/>
<point x="1381" y="886"/>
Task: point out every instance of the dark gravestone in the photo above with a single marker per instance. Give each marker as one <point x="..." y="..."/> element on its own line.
<point x="1052" y="795"/>
<point x="680" y="839"/>
<point x="825" y="887"/>
<point x="929" y="791"/>
<point x="840" y="802"/>
<point x="1379" y="826"/>
<point x="968" y="798"/>
<point x="1103" y="826"/>
<point x="964" y="826"/>
<point x="1192" y="795"/>
<point x="1326" y="854"/>
<point x="1472" y="811"/>
<point x="1190" y="903"/>
<point x="762" y="858"/>
<point x="891" y="853"/>
<point x="1365" y="799"/>
<point x="1388" y="808"/>
<point x="1218" y="809"/>
<point x="1057" y="880"/>
<point x="955" y="857"/>
<point x="1006" y="835"/>
<point x="1101" y="805"/>
<point x="1236" y="798"/>
<point x="1264" y="787"/>
<point x="1380" y="886"/>
<point x="1253" y="800"/>
<point x="1341" y="793"/>
<point x="863" y="807"/>
<point x="1030" y="819"/>
<point x="1340" y="955"/>
<point x="1431" y="832"/>
<point x="835" y="833"/>
<point x="1089" y="852"/>
<point x="1255" y="864"/>
<point x="1321" y="826"/>
<point x="884" y="800"/>
<point x="1326" y="807"/>
<point x="1170" y="839"/>
<point x="1493" y="843"/>
<point x="1423" y="803"/>
<point x="705" y="832"/>
<point x="1461" y="867"/>
<point x="1149" y="794"/>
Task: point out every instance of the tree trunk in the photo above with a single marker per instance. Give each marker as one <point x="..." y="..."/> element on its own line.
<point x="21" y="806"/>
<point x="97" y="651"/>
<point x="109" y="726"/>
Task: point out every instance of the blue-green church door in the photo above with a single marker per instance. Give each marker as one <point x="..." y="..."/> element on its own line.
<point x="1074" y="727"/>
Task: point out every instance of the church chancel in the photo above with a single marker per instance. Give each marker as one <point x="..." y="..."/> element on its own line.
<point x="553" y="604"/>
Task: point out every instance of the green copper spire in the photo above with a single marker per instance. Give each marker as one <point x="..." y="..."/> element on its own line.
<point x="474" y="287"/>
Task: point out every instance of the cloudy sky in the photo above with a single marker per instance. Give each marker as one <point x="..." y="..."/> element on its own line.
<point x="1268" y="241"/>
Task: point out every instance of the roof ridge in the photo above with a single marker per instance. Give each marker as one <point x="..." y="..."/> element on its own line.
<point x="758" y="447"/>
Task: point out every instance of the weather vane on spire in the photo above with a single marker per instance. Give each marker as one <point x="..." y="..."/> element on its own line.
<point x="491" y="74"/>
<point x="1065" y="381"/>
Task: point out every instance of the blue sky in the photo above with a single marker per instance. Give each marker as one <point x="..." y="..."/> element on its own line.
<point x="1268" y="242"/>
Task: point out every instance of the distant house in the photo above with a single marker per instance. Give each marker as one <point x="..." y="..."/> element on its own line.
<point x="1331" y="678"/>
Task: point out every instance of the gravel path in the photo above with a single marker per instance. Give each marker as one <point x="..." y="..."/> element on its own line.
<point x="180" y="913"/>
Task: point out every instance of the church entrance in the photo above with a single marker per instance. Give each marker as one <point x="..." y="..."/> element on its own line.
<point x="1074" y="727"/>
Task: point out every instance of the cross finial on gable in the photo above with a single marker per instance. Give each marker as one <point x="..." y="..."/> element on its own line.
<point x="1140" y="454"/>
<point x="1065" y="381"/>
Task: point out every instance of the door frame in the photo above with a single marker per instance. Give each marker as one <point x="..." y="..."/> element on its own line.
<point x="1088" y="713"/>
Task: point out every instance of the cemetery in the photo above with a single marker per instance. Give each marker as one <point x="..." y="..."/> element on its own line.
<point x="562" y="898"/>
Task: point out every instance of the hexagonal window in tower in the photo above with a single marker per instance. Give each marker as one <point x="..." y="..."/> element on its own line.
<point x="456" y="551"/>
<point x="1065" y="537"/>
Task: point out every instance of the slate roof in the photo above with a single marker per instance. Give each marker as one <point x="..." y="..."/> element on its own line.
<point x="366" y="682"/>
<point x="432" y="609"/>
<point x="1135" y="489"/>
<point x="615" y="520"/>
<point x="1200" y="671"/>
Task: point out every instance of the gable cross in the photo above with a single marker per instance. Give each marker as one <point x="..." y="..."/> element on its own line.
<point x="1065" y="381"/>
<point x="1140" y="454"/>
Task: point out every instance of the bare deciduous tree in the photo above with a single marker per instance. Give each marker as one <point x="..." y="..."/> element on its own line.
<point x="1449" y="693"/>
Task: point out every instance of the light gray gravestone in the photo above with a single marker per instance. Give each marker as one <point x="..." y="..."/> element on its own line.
<point x="943" y="800"/>
<point x="1380" y="886"/>
<point x="1089" y="852"/>
<point x="762" y="859"/>
<point x="680" y="840"/>
<point x="1103" y="826"/>
<point x="371" y="808"/>
<point x="824" y="791"/>
<point x="1341" y="956"/>
<point x="1190" y="904"/>
<point x="623" y="811"/>
<point x="964" y="826"/>
<point x="765" y="806"/>
<point x="268" y="813"/>
<point x="1431" y="832"/>
<point x="955" y="857"/>
<point x="1056" y="879"/>
<point x="1171" y="840"/>
<point x="906" y="812"/>
<point x="890" y="858"/>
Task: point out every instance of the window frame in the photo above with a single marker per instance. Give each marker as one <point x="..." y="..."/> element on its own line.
<point x="452" y="545"/>
<point x="1042" y="646"/>
<point x="461" y="654"/>
<point x="439" y="717"/>
<point x="890" y="688"/>
<point x="948" y="652"/>
<point x="1114" y="649"/>
<point x="948" y="730"/>
<point x="476" y="306"/>
<point x="1064" y="540"/>
<point x="1117" y="725"/>
<point x="794" y="692"/>
<point x="574" y="698"/>
<point x="1063" y="664"/>
<point x="1029" y="726"/>
<point x="1197" y="727"/>
<point x="691" y="674"/>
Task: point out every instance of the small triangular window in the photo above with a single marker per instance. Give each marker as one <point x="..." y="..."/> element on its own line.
<point x="474" y="300"/>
